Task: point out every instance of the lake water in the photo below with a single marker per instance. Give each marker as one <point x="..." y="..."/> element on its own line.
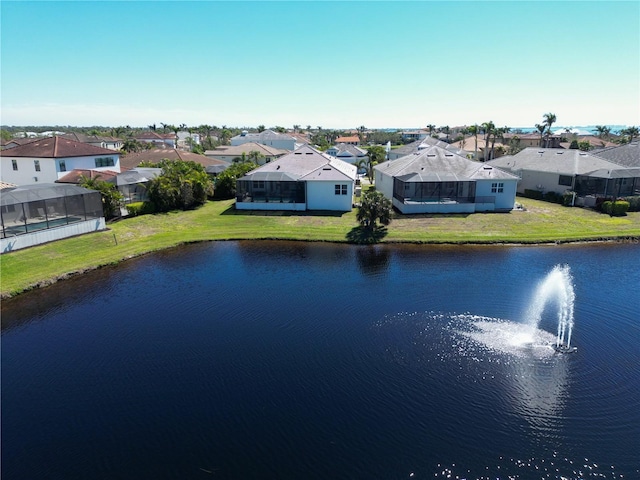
<point x="247" y="360"/>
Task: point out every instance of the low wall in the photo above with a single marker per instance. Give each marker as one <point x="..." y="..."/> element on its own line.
<point x="435" y="207"/>
<point x="271" y="206"/>
<point x="10" y="244"/>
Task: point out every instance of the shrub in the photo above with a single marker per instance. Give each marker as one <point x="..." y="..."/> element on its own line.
<point x="634" y="203"/>
<point x="567" y="199"/>
<point x="140" y="208"/>
<point x="618" y="208"/>
<point x="552" y="197"/>
<point x="535" y="194"/>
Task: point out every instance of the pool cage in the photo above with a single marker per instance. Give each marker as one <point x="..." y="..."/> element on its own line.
<point x="35" y="208"/>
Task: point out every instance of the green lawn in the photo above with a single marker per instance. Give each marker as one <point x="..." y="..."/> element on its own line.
<point x="541" y="223"/>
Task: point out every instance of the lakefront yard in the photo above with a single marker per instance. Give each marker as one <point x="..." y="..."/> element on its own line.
<point x="540" y="222"/>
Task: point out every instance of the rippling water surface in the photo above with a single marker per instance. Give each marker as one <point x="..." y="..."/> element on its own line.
<point x="285" y="360"/>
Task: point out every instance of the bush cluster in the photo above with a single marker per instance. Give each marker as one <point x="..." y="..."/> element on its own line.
<point x="634" y="203"/>
<point x="140" y="208"/>
<point x="535" y="194"/>
<point x="619" y="208"/>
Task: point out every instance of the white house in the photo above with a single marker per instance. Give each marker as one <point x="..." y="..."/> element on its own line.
<point x="267" y="137"/>
<point x="229" y="153"/>
<point x="305" y="179"/>
<point x="48" y="159"/>
<point x="348" y="153"/>
<point x="435" y="180"/>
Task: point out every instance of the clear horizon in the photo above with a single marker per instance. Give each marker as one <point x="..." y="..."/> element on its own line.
<point x="338" y="65"/>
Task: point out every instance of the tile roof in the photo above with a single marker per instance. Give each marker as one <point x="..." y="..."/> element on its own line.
<point x="132" y="160"/>
<point x="305" y="163"/>
<point x="74" y="176"/>
<point x="56" y="147"/>
<point x="155" y="136"/>
<point x="347" y="139"/>
<point x="436" y="164"/>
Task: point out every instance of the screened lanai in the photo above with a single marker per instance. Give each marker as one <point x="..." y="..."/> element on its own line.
<point x="270" y="187"/>
<point x="438" y="191"/>
<point x="34" y="208"/>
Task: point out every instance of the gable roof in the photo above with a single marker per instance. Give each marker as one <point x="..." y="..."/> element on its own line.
<point x="56" y="147"/>
<point x="245" y="148"/>
<point x="264" y="135"/>
<point x="436" y="164"/>
<point x="557" y="160"/>
<point x="156" y="155"/>
<point x="305" y="163"/>
<point x="350" y="150"/>
<point x="84" y="138"/>
<point x="155" y="136"/>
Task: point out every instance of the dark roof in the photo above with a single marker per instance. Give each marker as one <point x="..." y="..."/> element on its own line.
<point x="132" y="160"/>
<point x="56" y="147"/>
<point x="84" y="138"/>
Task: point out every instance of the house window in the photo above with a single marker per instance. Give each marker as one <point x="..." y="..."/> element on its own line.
<point x="14" y="164"/>
<point x="63" y="166"/>
<point x="104" y="162"/>
<point x="497" y="187"/>
<point x="36" y="164"/>
<point x="341" y="189"/>
<point x="565" y="180"/>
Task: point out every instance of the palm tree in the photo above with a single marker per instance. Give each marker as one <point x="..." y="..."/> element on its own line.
<point x="361" y="130"/>
<point x="549" y="119"/>
<point x="153" y="127"/>
<point x="375" y="207"/>
<point x="489" y="129"/>
<point x="296" y="128"/>
<point x="630" y="132"/>
<point x="541" y="128"/>
<point x="474" y="130"/>
<point x="446" y="130"/>
<point x="431" y="128"/>
<point x="254" y="156"/>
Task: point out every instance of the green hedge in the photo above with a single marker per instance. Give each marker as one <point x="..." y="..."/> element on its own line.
<point x="634" y="203"/>
<point x="618" y="208"/>
<point x="140" y="208"/>
<point x="535" y="194"/>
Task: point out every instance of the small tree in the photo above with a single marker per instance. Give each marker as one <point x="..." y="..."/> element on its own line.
<point x="111" y="197"/>
<point x="375" y="207"/>
<point x="225" y="186"/>
<point x="181" y="185"/>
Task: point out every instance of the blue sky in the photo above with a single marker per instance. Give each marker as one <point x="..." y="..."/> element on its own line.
<point x="334" y="64"/>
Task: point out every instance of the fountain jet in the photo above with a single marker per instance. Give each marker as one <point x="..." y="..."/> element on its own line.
<point x="558" y="286"/>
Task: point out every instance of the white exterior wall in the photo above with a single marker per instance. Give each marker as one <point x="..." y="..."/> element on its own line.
<point x="322" y="196"/>
<point x="49" y="168"/>
<point x="503" y="201"/>
<point x="384" y="184"/>
<point x="43" y="236"/>
<point x="548" y="181"/>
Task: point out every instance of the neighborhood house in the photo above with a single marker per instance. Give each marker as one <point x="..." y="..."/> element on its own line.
<point x="305" y="179"/>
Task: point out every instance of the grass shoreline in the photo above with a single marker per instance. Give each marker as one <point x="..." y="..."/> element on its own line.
<point x="541" y="224"/>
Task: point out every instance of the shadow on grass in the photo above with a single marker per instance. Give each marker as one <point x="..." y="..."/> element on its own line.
<point x="366" y="236"/>
<point x="282" y="213"/>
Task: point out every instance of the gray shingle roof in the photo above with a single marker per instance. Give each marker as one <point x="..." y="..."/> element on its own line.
<point x="555" y="160"/>
<point x="436" y="164"/>
<point x="305" y="163"/>
<point x="265" y="135"/>
<point x="627" y="155"/>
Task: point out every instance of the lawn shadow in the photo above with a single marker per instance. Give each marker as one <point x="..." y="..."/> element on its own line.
<point x="366" y="236"/>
